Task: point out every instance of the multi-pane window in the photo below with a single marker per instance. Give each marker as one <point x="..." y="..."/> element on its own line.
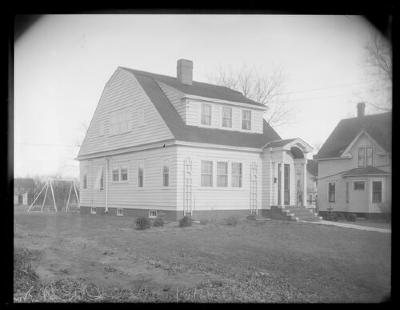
<point x="227" y="117"/>
<point x="361" y="157"/>
<point x="115" y="175"/>
<point x="331" y="192"/>
<point x="165" y="174"/>
<point x="246" y="119"/>
<point x="124" y="174"/>
<point x="359" y="185"/>
<point x="236" y="175"/>
<point x="222" y="174"/>
<point x="206" y="173"/>
<point x="140" y="174"/>
<point x="206" y="114"/>
<point x="120" y="121"/>
<point x="369" y="156"/>
<point x="85" y="181"/>
<point x="152" y="213"/>
<point x="376" y="191"/>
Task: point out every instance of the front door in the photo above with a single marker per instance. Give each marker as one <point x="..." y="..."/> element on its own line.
<point x="286" y="187"/>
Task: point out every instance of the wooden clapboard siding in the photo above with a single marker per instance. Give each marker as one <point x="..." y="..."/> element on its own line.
<point x="127" y="194"/>
<point x="176" y="98"/>
<point x="267" y="181"/>
<point x="228" y="198"/>
<point x="193" y="116"/>
<point x="123" y="92"/>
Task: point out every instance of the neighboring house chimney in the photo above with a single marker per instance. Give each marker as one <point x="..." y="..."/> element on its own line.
<point x="361" y="109"/>
<point x="184" y="70"/>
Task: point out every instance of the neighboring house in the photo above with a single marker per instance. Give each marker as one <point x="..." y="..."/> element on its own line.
<point x="312" y="175"/>
<point x="24" y="189"/>
<point x="161" y="144"/>
<point x="354" y="165"/>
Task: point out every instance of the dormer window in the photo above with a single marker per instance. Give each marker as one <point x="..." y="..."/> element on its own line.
<point x="365" y="156"/>
<point x="361" y="157"/>
<point x="206" y="114"/>
<point x="369" y="156"/>
<point x="227" y="117"/>
<point x="246" y="119"/>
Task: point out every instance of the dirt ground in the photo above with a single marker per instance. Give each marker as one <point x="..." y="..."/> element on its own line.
<point x="274" y="261"/>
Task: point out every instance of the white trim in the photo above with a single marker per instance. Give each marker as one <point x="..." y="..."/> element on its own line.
<point x="218" y="146"/>
<point x="305" y="147"/>
<point x="214" y="100"/>
<point x="346" y="152"/>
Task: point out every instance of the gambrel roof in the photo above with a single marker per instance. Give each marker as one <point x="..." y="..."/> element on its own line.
<point x="378" y="126"/>
<point x="183" y="132"/>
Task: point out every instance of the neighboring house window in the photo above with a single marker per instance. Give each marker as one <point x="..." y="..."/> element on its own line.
<point x="227" y="117"/>
<point x="369" y="156"/>
<point x="361" y="157"/>
<point x="206" y="173"/>
<point x="140" y="174"/>
<point x="124" y="174"/>
<point x="246" y="119"/>
<point x="376" y="191"/>
<point x="165" y="174"/>
<point x="85" y="181"/>
<point x="120" y="212"/>
<point x="331" y="192"/>
<point x="115" y="175"/>
<point x="236" y="174"/>
<point x="359" y="186"/>
<point x="206" y="114"/>
<point x="222" y="174"/>
<point x="347" y="192"/>
<point x="152" y="213"/>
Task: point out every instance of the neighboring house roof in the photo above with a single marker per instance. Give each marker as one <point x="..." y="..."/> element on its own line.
<point x="198" y="88"/>
<point x="184" y="132"/>
<point x="23" y="185"/>
<point x="312" y="167"/>
<point x="378" y="126"/>
<point x="364" y="172"/>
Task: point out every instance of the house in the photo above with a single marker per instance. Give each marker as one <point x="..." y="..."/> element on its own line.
<point x="173" y="146"/>
<point x="24" y="189"/>
<point x="312" y="175"/>
<point x="354" y="165"/>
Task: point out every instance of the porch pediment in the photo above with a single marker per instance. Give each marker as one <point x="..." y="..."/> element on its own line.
<point x="288" y="144"/>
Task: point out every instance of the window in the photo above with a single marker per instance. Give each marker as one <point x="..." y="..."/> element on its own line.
<point x="369" y="156"/>
<point x="85" y="181"/>
<point x="120" y="121"/>
<point x="206" y="173"/>
<point x="246" y="119"/>
<point x="376" y="191"/>
<point x="359" y="186"/>
<point x="152" y="213"/>
<point x="124" y="174"/>
<point x="331" y="192"/>
<point x="165" y="174"/>
<point x="236" y="174"/>
<point x="115" y="175"/>
<point x="92" y="210"/>
<point x="120" y="212"/>
<point x="206" y="114"/>
<point x="140" y="174"/>
<point x="227" y="117"/>
<point x="102" y="180"/>
<point x="361" y="157"/>
<point x="222" y="174"/>
<point x="347" y="192"/>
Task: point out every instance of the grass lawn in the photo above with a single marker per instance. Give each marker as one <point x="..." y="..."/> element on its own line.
<point x="274" y="261"/>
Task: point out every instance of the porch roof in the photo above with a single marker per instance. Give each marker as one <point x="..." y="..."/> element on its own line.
<point x="367" y="171"/>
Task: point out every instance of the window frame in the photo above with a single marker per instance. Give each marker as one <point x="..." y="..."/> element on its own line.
<point x="112" y="173"/>
<point x="361" y="157"/>
<point x="165" y="167"/>
<point x="202" y="173"/>
<point x="234" y="175"/>
<point x="203" y="116"/>
<point x="331" y="191"/>
<point x="123" y="167"/>
<point x="222" y="175"/>
<point x="369" y="148"/>
<point x="224" y="108"/>
<point x="120" y="212"/>
<point x="101" y="185"/>
<point x="380" y="192"/>
<point x="152" y="216"/>
<point x="140" y="174"/>
<point x="246" y="120"/>
<point x="358" y="183"/>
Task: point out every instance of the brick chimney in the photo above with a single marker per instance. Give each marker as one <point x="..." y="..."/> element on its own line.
<point x="360" y="109"/>
<point x="184" y="71"/>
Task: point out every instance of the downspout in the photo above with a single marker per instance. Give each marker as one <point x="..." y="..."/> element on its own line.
<point x="107" y="162"/>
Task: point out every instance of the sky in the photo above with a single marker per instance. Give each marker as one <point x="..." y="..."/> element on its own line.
<point x="62" y="63"/>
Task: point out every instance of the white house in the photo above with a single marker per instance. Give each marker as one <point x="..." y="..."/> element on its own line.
<point x="170" y="145"/>
<point x="354" y="165"/>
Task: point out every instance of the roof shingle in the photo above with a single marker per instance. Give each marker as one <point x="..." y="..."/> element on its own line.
<point x="364" y="171"/>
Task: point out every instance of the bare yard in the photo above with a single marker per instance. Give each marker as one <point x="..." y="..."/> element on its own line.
<point x="252" y="262"/>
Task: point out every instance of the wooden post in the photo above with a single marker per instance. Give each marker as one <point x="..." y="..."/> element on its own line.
<point x="30" y="207"/>
<point x="54" y="199"/>
<point x="69" y="195"/>
<point x="45" y="195"/>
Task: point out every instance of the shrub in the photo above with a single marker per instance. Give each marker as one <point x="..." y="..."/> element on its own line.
<point x="142" y="223"/>
<point x="331" y="217"/>
<point x="340" y="216"/>
<point x="231" y="221"/>
<point x="185" y="221"/>
<point x="350" y="217"/>
<point x="158" y="222"/>
<point x="251" y="217"/>
<point x="203" y="221"/>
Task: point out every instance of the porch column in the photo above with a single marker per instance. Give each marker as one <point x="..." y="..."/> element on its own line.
<point x="305" y="182"/>
<point x="282" y="193"/>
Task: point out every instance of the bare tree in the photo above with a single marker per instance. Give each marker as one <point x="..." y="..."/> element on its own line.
<point x="265" y="89"/>
<point x="379" y="65"/>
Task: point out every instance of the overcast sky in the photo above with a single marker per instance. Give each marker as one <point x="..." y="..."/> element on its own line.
<point x="62" y="63"/>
